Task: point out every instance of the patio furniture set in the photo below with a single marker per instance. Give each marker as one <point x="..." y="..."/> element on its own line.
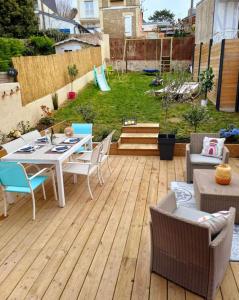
<point x="192" y="247"/>
<point x="74" y="155"/>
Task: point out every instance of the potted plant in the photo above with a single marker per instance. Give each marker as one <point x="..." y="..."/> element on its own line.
<point x="196" y="115"/>
<point x="206" y="84"/>
<point x="72" y="72"/>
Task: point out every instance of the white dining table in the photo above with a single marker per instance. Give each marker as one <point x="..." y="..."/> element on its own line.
<point x="44" y="156"/>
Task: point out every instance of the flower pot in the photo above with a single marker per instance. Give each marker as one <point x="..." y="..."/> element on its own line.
<point x="223" y="174"/>
<point x="71" y="95"/>
<point x="166" y="143"/>
<point x="204" y="102"/>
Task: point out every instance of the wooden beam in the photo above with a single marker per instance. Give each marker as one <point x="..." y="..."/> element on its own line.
<point x="219" y="87"/>
<point x="200" y="58"/>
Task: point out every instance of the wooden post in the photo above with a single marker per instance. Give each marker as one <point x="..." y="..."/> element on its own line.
<point x="209" y="53"/>
<point x="219" y="87"/>
<point x="237" y="97"/>
<point x="171" y="53"/>
<point x="200" y="58"/>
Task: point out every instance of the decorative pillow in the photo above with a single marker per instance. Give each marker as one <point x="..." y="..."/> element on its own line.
<point x="213" y="147"/>
<point x="216" y="221"/>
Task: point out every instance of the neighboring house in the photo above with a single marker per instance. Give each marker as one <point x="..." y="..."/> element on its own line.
<point x="89" y="15"/>
<point x="74" y="44"/>
<point x="157" y="30"/>
<point x="121" y="18"/>
<point x="217" y="20"/>
<point x="48" y="17"/>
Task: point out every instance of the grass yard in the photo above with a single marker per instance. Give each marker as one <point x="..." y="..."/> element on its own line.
<point x="127" y="98"/>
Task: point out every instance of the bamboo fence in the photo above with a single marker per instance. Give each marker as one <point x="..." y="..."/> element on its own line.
<point x="42" y="75"/>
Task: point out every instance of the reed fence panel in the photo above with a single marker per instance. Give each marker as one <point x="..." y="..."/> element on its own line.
<point x="42" y="75"/>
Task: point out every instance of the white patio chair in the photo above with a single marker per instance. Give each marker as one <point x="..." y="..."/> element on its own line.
<point x="31" y="136"/>
<point x="87" y="168"/>
<point x="104" y="154"/>
<point x="14" y="145"/>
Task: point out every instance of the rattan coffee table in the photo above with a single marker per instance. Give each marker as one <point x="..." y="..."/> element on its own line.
<point x="212" y="197"/>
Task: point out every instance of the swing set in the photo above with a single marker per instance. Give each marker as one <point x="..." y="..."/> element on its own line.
<point x="163" y="58"/>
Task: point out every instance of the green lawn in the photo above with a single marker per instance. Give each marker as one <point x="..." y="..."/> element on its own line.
<point x="127" y="98"/>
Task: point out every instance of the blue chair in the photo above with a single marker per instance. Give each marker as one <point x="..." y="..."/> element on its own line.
<point x="14" y="179"/>
<point x="81" y="128"/>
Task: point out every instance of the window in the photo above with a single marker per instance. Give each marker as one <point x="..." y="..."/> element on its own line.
<point x="89" y="9"/>
<point x="128" y="25"/>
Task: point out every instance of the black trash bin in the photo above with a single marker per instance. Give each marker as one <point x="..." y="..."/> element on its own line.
<point x="166" y="143"/>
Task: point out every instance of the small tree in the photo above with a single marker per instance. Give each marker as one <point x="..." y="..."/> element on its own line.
<point x="72" y="72"/>
<point x="162" y="15"/>
<point x="195" y="116"/>
<point x="206" y="79"/>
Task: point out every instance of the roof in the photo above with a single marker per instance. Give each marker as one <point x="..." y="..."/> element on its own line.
<point x="51" y="4"/>
<point x="73" y="39"/>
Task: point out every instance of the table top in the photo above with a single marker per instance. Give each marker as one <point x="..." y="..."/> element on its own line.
<point x="43" y="155"/>
<point x="205" y="180"/>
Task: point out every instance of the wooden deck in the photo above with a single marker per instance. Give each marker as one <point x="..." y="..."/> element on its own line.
<point x="96" y="249"/>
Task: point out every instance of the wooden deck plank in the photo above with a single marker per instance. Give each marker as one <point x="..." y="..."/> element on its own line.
<point x="96" y="249"/>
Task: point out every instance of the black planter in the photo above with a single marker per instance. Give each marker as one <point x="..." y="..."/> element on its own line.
<point x="166" y="144"/>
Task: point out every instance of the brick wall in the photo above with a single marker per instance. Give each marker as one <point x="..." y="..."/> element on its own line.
<point x="113" y="21"/>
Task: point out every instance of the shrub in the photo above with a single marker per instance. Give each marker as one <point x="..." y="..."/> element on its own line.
<point x="55" y="101"/>
<point x="40" y="45"/>
<point x="24" y="127"/>
<point x="54" y="34"/>
<point x="87" y="113"/>
<point x="206" y="79"/>
<point x="196" y="115"/>
<point x="9" y="48"/>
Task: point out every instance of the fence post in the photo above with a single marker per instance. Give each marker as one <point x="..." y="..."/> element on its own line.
<point x="200" y="58"/>
<point x="237" y="96"/>
<point x="193" y="57"/>
<point x="219" y="87"/>
<point x="209" y="53"/>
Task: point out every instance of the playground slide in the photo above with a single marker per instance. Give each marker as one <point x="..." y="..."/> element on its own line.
<point x="100" y="80"/>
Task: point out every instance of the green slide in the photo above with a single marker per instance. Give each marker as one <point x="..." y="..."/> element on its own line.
<point x="100" y="79"/>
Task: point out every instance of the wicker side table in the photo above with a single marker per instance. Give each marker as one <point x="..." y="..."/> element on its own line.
<point x="212" y="197"/>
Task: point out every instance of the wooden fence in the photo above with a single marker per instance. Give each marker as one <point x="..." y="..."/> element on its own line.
<point x="42" y="75"/>
<point x="150" y="49"/>
<point x="224" y="60"/>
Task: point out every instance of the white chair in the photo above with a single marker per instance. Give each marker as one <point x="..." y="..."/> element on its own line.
<point x="104" y="155"/>
<point x="14" y="145"/>
<point x="31" y="136"/>
<point x="87" y="168"/>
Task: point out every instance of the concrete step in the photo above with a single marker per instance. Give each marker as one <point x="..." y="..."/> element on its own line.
<point x="141" y="128"/>
<point x="138" y="149"/>
<point x="139" y="138"/>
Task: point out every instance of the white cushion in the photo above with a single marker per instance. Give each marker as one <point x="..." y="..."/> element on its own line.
<point x="198" y="159"/>
<point x="216" y="222"/>
<point x="213" y="147"/>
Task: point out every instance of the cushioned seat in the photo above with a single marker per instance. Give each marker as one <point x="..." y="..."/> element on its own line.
<point x="35" y="182"/>
<point x="198" y="159"/>
<point x="189" y="213"/>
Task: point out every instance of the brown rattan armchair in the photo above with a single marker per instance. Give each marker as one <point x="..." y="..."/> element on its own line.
<point x="183" y="251"/>
<point x="196" y="161"/>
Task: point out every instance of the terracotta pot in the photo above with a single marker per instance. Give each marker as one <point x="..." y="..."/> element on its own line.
<point x="69" y="131"/>
<point x="71" y="95"/>
<point x="223" y="174"/>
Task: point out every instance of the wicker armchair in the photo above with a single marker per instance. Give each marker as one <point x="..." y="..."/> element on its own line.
<point x="196" y="161"/>
<point x="182" y="249"/>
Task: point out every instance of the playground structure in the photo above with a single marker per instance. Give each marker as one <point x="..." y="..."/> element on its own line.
<point x="100" y="79"/>
<point x="163" y="54"/>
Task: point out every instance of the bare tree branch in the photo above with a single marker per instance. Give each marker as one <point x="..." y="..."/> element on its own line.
<point x="64" y="8"/>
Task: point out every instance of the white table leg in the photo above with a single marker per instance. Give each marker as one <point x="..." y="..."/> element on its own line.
<point x="60" y="184"/>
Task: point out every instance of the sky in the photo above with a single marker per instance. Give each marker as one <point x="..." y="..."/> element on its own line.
<point x="178" y="7"/>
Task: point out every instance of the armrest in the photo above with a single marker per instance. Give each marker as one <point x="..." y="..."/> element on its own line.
<point x="168" y="203"/>
<point x="225" y="155"/>
<point x="37" y="174"/>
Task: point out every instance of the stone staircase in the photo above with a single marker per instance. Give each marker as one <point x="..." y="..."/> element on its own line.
<point x="140" y="139"/>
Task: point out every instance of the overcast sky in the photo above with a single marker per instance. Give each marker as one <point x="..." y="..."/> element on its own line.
<point x="178" y="7"/>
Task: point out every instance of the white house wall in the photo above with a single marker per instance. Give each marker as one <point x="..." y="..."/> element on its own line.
<point x="226" y="20"/>
<point x="71" y="46"/>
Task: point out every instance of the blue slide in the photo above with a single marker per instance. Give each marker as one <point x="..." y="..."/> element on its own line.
<point x="100" y="80"/>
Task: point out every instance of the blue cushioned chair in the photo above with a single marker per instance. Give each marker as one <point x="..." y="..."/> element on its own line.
<point x="80" y="128"/>
<point x="14" y="179"/>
